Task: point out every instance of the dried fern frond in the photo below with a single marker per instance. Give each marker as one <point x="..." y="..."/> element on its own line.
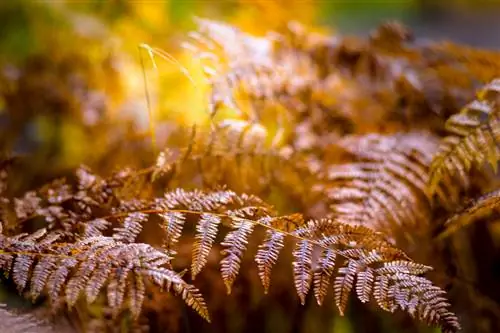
<point x="473" y="139"/>
<point x="366" y="252"/>
<point x="368" y="256"/>
<point x="240" y="155"/>
<point x="385" y="186"/>
<point x="119" y="267"/>
<point x="474" y="209"/>
<point x="280" y="82"/>
<point x="65" y="271"/>
<point x="68" y="204"/>
<point x="378" y="269"/>
<point x="224" y="44"/>
<point x="334" y="83"/>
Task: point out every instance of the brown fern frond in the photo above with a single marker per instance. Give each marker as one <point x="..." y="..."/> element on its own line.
<point x="472" y="211"/>
<point x="267" y="256"/>
<point x="206" y="231"/>
<point x="363" y="255"/>
<point x="368" y="264"/>
<point x="385" y="186"/>
<point x="323" y="274"/>
<point x="234" y="244"/>
<point x="132" y="226"/>
<point x="172" y="227"/>
<point x="473" y="139"/>
<point x="95" y="227"/>
<point x="241" y="156"/>
<point x="119" y="268"/>
<point x="67" y="270"/>
<point x="302" y="268"/>
<point x="344" y="283"/>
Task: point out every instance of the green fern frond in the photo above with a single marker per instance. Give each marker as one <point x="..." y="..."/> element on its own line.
<point x="68" y="269"/>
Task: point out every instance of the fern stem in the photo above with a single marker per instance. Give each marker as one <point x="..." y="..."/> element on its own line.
<point x="256" y="222"/>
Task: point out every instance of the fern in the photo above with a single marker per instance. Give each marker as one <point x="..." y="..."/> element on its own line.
<point x="291" y="74"/>
<point x="386" y="186"/>
<point x="343" y="129"/>
<point x="40" y="263"/>
<point x="241" y="156"/>
<point x="474" y="139"/>
<point x="474" y="209"/>
<point x="119" y="266"/>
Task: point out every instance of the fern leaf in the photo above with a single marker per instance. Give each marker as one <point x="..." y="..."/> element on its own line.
<point x="402" y="266"/>
<point x="198" y="200"/>
<point x="116" y="292"/>
<point x="172" y="226"/>
<point x="343" y="285"/>
<point x="95" y="227"/>
<point x="474" y="138"/>
<point x="168" y="279"/>
<point x="97" y="281"/>
<point x="136" y="293"/>
<point x="302" y="268"/>
<point x="380" y="292"/>
<point x="267" y="256"/>
<point x="206" y="232"/>
<point x="41" y="273"/>
<point x="364" y="285"/>
<point x="235" y="244"/>
<point x="64" y="270"/>
<point x="57" y="280"/>
<point x="132" y="226"/>
<point x="21" y="270"/>
<point x="385" y="188"/>
<point x="80" y="279"/>
<point x="323" y="274"/>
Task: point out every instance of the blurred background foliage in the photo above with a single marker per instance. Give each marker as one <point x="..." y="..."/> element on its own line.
<point x="73" y="80"/>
